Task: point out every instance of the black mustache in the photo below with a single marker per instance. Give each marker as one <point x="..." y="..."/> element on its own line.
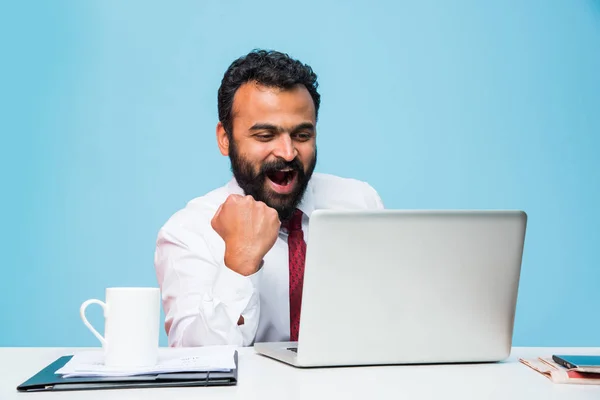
<point x="274" y="166"/>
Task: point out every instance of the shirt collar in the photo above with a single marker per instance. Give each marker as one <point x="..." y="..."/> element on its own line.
<point x="307" y="204"/>
<point x="234" y="188"/>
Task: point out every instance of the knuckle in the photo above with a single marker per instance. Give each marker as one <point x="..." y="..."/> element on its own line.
<point x="272" y="212"/>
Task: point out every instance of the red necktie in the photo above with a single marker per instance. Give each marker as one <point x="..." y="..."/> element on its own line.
<point x="297" y="254"/>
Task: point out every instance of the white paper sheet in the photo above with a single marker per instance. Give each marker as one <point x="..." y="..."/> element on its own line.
<point x="188" y="359"/>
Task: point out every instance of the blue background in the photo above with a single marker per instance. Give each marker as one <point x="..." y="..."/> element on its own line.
<point x="109" y="109"/>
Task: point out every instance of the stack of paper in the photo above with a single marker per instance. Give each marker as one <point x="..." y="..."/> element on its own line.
<point x="559" y="374"/>
<point x="170" y="360"/>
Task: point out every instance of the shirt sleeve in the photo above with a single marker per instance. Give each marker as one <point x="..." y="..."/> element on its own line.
<point x="202" y="298"/>
<point x="373" y="199"/>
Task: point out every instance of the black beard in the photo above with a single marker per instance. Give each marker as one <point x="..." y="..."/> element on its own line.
<point x="253" y="184"/>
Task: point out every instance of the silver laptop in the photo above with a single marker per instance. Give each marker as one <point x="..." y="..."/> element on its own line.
<point x="407" y="287"/>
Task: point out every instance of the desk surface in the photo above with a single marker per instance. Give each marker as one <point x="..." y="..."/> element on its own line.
<point x="264" y="379"/>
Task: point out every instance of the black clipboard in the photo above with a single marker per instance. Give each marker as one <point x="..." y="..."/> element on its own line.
<point x="48" y="380"/>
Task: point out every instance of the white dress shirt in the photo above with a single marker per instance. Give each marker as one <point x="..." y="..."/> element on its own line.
<point x="203" y="299"/>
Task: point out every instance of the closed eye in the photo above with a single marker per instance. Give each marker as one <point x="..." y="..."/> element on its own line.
<point x="265" y="137"/>
<point x="303" y="136"/>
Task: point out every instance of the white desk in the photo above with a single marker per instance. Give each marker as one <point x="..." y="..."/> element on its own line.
<point x="261" y="378"/>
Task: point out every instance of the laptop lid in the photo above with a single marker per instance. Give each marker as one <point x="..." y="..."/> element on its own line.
<point x="392" y="286"/>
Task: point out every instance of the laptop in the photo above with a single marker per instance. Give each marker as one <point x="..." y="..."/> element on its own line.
<point x="407" y="287"/>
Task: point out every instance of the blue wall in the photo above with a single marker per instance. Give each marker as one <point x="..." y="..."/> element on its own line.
<point x="109" y="109"/>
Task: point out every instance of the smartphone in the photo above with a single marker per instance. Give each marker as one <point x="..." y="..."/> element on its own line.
<point x="576" y="361"/>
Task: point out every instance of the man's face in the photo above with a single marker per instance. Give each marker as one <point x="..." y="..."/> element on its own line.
<point x="273" y="150"/>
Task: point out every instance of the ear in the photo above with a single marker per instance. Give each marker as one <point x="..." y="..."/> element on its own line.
<point x="222" y="139"/>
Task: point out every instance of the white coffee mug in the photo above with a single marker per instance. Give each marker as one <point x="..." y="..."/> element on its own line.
<point x="132" y="318"/>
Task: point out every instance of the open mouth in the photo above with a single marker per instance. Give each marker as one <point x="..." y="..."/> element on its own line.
<point x="282" y="181"/>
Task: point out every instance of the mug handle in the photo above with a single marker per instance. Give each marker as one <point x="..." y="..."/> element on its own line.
<point x="87" y="323"/>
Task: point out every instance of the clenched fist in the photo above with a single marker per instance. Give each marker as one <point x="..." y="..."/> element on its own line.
<point x="249" y="229"/>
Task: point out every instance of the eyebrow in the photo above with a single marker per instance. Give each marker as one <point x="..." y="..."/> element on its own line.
<point x="275" y="128"/>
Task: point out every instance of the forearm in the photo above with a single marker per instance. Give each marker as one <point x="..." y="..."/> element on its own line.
<point x="213" y="326"/>
<point x="216" y="319"/>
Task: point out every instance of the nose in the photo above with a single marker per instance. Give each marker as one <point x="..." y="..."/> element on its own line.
<point x="284" y="148"/>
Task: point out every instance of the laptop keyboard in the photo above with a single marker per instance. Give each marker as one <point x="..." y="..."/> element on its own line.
<point x="294" y="349"/>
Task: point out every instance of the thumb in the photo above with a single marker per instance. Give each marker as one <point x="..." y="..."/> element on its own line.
<point x="218" y="211"/>
<point x="216" y="216"/>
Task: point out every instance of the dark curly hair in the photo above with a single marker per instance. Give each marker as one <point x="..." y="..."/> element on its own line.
<point x="268" y="68"/>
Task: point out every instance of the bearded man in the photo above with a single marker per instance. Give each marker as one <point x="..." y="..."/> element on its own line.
<point x="230" y="264"/>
